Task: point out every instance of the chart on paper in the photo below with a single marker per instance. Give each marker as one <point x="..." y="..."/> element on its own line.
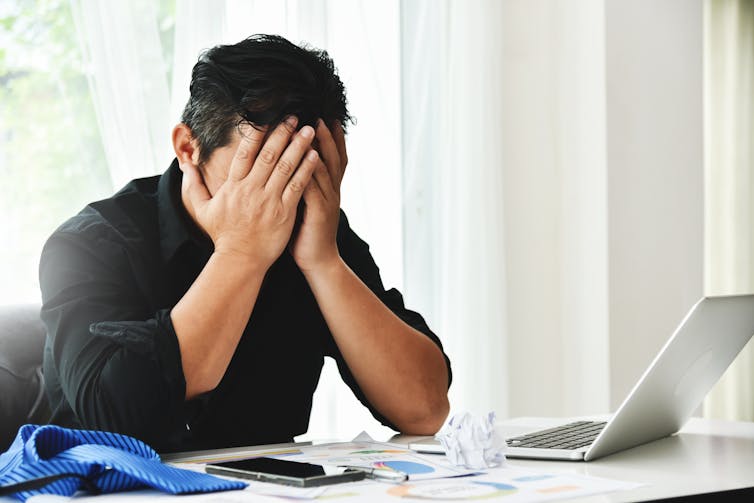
<point x="509" y="485"/>
<point x="381" y="456"/>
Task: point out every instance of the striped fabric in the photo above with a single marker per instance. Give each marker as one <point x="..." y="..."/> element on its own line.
<point x="94" y="460"/>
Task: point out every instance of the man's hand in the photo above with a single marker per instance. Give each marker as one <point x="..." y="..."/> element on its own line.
<point x="253" y="212"/>
<point x="314" y="244"/>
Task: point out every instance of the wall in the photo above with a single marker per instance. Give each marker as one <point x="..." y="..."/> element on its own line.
<point x="603" y="191"/>
<point x="655" y="177"/>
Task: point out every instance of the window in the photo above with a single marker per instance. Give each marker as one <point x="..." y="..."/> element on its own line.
<point x="52" y="161"/>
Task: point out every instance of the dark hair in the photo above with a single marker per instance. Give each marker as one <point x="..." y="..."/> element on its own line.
<point x="261" y="80"/>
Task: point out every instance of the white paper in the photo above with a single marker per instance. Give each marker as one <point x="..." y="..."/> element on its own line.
<point x="370" y="454"/>
<point x="363" y="437"/>
<point x="510" y="485"/>
<point x="472" y="442"/>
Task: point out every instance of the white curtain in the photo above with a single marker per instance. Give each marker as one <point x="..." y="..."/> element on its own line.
<point x="453" y="185"/>
<point x="729" y="165"/>
<point x="505" y="198"/>
<point x="128" y="80"/>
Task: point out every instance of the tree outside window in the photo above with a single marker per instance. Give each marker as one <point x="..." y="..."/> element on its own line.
<point x="52" y="161"/>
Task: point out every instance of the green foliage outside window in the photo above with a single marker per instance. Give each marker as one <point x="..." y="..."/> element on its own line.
<point x="51" y="157"/>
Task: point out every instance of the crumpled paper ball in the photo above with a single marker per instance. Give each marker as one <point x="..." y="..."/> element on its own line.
<point x="472" y="441"/>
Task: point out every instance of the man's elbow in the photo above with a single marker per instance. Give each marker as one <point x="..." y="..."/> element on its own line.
<point x="427" y="419"/>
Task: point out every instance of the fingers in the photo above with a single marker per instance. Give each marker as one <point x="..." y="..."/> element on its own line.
<point x="340" y="141"/>
<point x="300" y="180"/>
<point x="280" y="175"/>
<point x="193" y="187"/>
<point x="324" y="181"/>
<point x="243" y="159"/>
<point x="329" y="152"/>
<point x="313" y="196"/>
<point x="271" y="151"/>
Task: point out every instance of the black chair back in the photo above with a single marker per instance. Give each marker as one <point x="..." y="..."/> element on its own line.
<point x="22" y="391"/>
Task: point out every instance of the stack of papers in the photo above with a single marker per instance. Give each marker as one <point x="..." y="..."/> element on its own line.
<point x="430" y="477"/>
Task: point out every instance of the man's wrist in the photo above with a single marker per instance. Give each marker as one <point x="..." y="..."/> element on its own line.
<point x="325" y="269"/>
<point x="240" y="263"/>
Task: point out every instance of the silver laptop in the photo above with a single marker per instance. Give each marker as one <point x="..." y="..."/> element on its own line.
<point x="705" y="343"/>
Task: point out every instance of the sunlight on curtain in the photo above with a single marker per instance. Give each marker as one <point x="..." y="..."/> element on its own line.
<point x="729" y="166"/>
<point x="199" y="25"/>
<point x="128" y="80"/>
<point x="454" y="235"/>
<point x="51" y="157"/>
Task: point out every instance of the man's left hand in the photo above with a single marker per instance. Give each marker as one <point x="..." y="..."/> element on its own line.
<point x="314" y="245"/>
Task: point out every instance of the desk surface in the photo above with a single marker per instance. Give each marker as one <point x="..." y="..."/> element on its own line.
<point x="706" y="456"/>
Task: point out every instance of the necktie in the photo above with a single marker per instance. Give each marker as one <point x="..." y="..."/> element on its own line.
<point x="53" y="460"/>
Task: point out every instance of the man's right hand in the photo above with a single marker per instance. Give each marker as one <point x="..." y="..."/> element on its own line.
<point x="253" y="212"/>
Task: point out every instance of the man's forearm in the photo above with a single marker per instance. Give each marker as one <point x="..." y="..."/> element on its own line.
<point x="211" y="317"/>
<point x="400" y="370"/>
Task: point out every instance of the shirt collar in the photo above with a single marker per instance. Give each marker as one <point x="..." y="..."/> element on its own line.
<point x="176" y="226"/>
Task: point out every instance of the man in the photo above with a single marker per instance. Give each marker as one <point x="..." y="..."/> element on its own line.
<point x="193" y="310"/>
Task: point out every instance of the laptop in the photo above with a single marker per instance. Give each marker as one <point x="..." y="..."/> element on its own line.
<point x="705" y="343"/>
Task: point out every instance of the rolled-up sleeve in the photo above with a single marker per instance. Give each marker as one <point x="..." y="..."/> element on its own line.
<point x="355" y="253"/>
<point x="116" y="357"/>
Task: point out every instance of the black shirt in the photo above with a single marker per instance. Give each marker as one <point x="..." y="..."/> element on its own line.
<point x="109" y="278"/>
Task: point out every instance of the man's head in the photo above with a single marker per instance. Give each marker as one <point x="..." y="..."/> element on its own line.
<point x="260" y="80"/>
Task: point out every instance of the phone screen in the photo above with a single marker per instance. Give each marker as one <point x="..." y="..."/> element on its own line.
<point x="286" y="472"/>
<point x="276" y="467"/>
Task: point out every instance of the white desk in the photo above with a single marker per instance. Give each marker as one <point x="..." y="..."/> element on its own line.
<point x="706" y="456"/>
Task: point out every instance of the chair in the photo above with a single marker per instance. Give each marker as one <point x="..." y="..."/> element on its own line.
<point x="22" y="391"/>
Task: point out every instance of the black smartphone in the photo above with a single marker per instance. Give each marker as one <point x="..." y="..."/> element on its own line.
<point x="281" y="471"/>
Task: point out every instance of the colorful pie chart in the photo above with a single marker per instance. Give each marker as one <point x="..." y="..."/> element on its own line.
<point x="407" y="467"/>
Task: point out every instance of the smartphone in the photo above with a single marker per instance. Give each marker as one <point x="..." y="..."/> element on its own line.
<point x="286" y="472"/>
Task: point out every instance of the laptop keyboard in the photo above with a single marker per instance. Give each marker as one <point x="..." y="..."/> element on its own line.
<point x="569" y="436"/>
